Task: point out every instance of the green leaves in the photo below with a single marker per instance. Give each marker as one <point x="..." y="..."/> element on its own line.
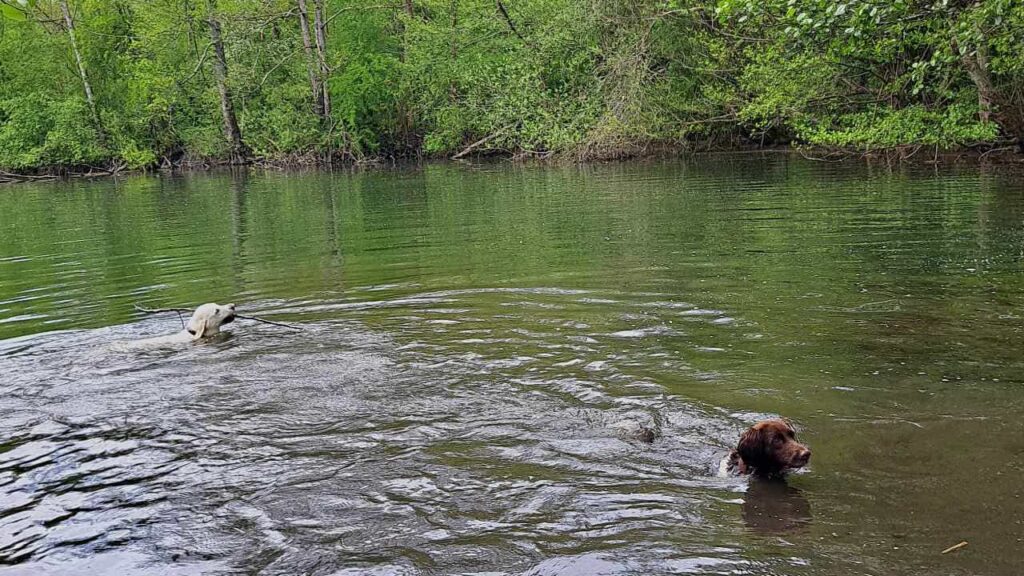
<point x="909" y="63"/>
<point x="16" y="9"/>
<point x="588" y="76"/>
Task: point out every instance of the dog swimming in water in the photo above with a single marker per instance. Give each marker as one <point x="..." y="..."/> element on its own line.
<point x="767" y="449"/>
<point x="208" y="318"/>
<point x="206" y="321"/>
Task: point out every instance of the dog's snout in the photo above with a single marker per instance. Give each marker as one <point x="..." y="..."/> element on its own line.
<point x="804" y="456"/>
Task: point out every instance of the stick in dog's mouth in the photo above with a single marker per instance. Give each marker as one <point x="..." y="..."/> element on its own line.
<point x="230" y="318"/>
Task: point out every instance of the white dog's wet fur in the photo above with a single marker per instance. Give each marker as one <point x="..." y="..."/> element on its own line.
<point x="205" y="322"/>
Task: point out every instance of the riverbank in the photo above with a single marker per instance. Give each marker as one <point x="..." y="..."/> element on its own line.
<point x="1005" y="155"/>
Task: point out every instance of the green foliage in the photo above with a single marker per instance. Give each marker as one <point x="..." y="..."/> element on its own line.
<point x="902" y="72"/>
<point x="531" y="91"/>
<point x="366" y="75"/>
<point x="778" y="90"/>
<point x="278" y="122"/>
<point x="592" y="78"/>
<point x="16" y="10"/>
<point x="37" y="131"/>
<point x="883" y="127"/>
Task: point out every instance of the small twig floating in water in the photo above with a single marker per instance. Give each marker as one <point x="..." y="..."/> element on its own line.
<point x="955" y="547"/>
<point x="237" y="315"/>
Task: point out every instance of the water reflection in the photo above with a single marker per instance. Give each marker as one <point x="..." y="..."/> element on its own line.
<point x="775" y="507"/>
<point x="471" y="338"/>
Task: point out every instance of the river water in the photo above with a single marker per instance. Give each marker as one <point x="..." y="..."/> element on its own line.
<point x="471" y="339"/>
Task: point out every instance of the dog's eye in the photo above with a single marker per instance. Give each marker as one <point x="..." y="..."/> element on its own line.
<point x="778" y="440"/>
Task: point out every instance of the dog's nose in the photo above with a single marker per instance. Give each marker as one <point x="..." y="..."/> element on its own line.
<point x="806" y="455"/>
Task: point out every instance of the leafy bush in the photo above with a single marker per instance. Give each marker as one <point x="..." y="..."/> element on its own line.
<point x="883" y="127"/>
<point x="591" y="78"/>
<point x="37" y="131"/>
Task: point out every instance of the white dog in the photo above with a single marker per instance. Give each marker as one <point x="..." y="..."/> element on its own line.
<point x="208" y="318"/>
<point x="205" y="322"/>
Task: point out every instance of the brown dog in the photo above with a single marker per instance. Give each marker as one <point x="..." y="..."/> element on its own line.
<point x="768" y="448"/>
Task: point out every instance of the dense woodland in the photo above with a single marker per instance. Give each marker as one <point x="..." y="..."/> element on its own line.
<point x="149" y="83"/>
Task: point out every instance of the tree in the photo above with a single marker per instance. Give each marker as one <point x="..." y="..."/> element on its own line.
<point x="312" y="60"/>
<point x="238" y="151"/>
<point x="148" y="83"/>
<point x="69" y="24"/>
<point x="900" y="66"/>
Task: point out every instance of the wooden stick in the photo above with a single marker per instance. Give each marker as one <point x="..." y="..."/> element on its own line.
<point x="481" y="142"/>
<point x="237" y="315"/>
<point x="271" y="322"/>
<point x="955" y="547"/>
<point x="511" y="24"/>
<point x="156" y="310"/>
<point x="12" y="177"/>
<point x="160" y="310"/>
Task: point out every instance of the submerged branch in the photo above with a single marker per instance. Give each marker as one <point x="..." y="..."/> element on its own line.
<point x="12" y="177"/>
<point x="955" y="547"/>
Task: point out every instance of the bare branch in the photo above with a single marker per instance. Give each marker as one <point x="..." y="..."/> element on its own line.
<point x="481" y="142"/>
<point x="508" y="20"/>
<point x="189" y="311"/>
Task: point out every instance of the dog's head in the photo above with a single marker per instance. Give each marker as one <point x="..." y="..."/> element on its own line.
<point x="770" y="448"/>
<point x="208" y="318"/>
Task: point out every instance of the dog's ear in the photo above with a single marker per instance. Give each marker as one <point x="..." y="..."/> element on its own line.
<point x="752" y="447"/>
<point x="197" y="324"/>
<point x="212" y="322"/>
<point x="792" y="427"/>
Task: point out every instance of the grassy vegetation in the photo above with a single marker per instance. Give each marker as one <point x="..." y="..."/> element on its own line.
<point x="148" y="83"/>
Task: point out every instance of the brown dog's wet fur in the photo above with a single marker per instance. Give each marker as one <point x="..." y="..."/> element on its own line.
<point x="769" y="448"/>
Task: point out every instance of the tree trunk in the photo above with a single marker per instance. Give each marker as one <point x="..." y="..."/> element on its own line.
<point x="311" y="60"/>
<point x="454" y="40"/>
<point x="453" y="92"/>
<point x="69" y="22"/>
<point x="976" y="65"/>
<point x="321" y="54"/>
<point x="1009" y="116"/>
<point x="405" y="121"/>
<point x="992" y="102"/>
<point x="238" y="150"/>
<point x="187" y="12"/>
